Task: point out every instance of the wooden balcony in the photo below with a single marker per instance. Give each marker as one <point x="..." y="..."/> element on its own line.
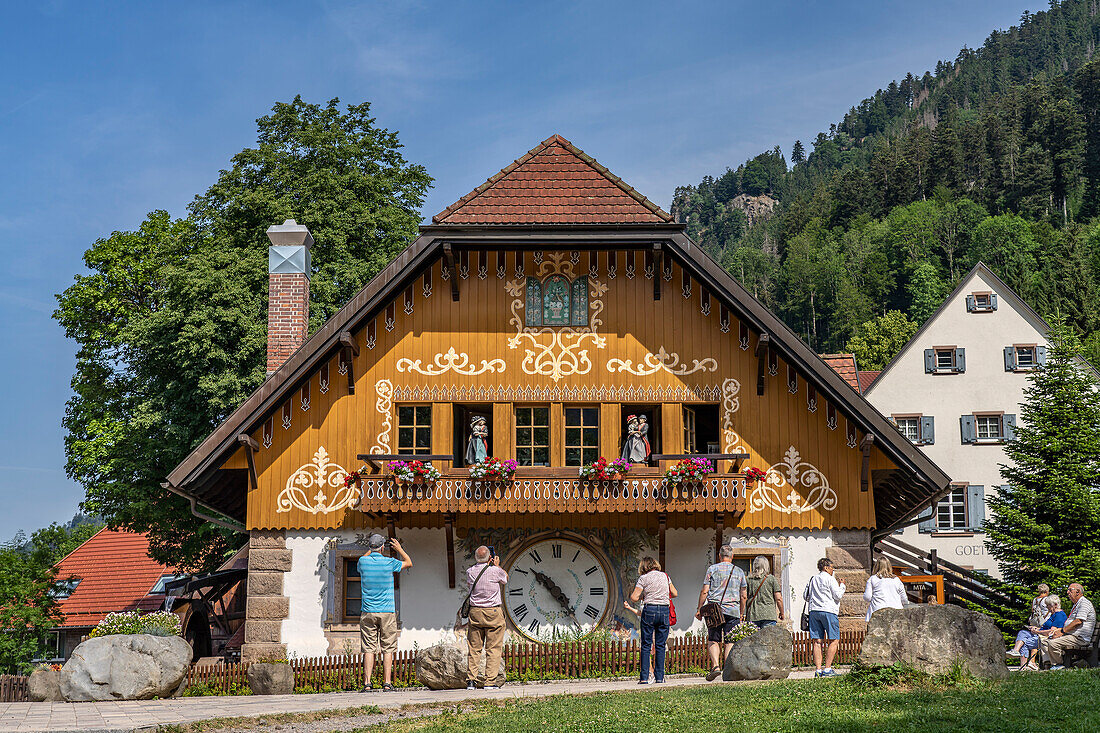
<point x="553" y="491"/>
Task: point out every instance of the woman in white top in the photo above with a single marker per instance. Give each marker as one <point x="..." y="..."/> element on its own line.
<point x="883" y="589"/>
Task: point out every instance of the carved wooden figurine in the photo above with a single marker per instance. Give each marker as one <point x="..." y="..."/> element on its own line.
<point x="636" y="444"/>
<point x="477" y="445"/>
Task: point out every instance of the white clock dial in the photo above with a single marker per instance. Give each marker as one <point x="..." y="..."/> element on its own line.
<point x="556" y="585"/>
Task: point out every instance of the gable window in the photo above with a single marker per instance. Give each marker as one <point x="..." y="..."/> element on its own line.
<point x="353" y="593"/>
<point x="981" y="302"/>
<point x="556" y="301"/>
<point x="1024" y="357"/>
<point x="414" y="430"/>
<point x="945" y="360"/>
<point x="909" y="427"/>
<point x="533" y="436"/>
<point x="988" y="427"/>
<point x="961" y="510"/>
<point x="918" y="429"/>
<point x="582" y="435"/>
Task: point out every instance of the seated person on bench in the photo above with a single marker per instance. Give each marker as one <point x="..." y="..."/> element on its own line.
<point x="1077" y="631"/>
<point x="1027" y="641"/>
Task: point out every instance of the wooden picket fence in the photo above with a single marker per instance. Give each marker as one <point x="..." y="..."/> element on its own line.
<point x="13" y="688"/>
<point x="558" y="660"/>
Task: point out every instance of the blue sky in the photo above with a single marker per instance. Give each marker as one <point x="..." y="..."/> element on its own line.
<point x="108" y="111"/>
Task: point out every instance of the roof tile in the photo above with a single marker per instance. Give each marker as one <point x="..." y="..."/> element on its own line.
<point x="845" y="366"/>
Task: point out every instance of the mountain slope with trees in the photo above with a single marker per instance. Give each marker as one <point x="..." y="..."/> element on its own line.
<point x="992" y="157"/>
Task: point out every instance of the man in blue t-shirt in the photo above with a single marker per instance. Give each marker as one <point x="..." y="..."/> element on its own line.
<point x="378" y="621"/>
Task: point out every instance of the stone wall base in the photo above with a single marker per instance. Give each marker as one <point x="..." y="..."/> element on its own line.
<point x="266" y="607"/>
<point x="851" y="556"/>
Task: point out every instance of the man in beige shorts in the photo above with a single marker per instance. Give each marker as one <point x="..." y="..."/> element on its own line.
<point x="378" y="620"/>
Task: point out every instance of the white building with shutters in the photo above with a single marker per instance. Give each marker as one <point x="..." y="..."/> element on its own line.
<point x="955" y="391"/>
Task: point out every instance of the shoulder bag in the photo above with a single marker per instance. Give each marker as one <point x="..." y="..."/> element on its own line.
<point x="671" y="605"/>
<point x="464" y="611"/>
<point x="755" y="593"/>
<point x="804" y="622"/>
<point x="711" y="612"/>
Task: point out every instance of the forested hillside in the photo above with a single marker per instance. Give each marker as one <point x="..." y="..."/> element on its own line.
<point x="994" y="156"/>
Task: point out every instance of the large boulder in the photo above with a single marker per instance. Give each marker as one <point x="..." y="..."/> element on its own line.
<point x="270" y="678"/>
<point x="764" y="655"/>
<point x="444" y="666"/>
<point x="932" y="638"/>
<point x="44" y="685"/>
<point x="126" y="667"/>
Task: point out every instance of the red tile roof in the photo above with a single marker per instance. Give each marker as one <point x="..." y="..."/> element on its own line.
<point x="845" y="366"/>
<point x="116" y="574"/>
<point x="554" y="183"/>
<point x="865" y="379"/>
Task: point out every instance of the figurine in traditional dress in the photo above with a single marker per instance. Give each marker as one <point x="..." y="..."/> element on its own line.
<point x="636" y="445"/>
<point x="477" y="445"/>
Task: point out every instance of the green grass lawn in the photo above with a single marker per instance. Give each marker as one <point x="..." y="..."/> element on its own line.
<point x="1029" y="702"/>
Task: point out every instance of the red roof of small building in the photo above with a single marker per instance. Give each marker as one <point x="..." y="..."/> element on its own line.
<point x="865" y="379"/>
<point x="554" y="183"/>
<point x="845" y="366"/>
<point x="115" y="573"/>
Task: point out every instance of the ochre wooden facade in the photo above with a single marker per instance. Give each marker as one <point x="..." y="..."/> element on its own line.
<point x="682" y="349"/>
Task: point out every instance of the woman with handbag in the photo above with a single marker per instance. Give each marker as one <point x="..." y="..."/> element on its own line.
<point x="655" y="591"/>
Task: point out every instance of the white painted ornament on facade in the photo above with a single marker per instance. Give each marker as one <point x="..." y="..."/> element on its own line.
<point x="451" y="361"/>
<point x="384" y="405"/>
<point x="731" y="403"/>
<point x="328" y="480"/>
<point x="662" y="360"/>
<point x="779" y="490"/>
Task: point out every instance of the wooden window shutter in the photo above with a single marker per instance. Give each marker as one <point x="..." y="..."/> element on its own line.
<point x="993" y="301"/>
<point x="1040" y="355"/>
<point x="927" y="520"/>
<point x="970" y="304"/>
<point x="929" y="361"/>
<point x="1008" y="427"/>
<point x="969" y="431"/>
<point x="1010" y="358"/>
<point x="975" y="507"/>
<point x="928" y="429"/>
<point x="960" y="360"/>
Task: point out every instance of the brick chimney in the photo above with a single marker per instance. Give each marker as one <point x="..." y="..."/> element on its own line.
<point x="287" y="291"/>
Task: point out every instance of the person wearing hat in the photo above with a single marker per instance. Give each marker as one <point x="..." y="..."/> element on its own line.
<point x="636" y="444"/>
<point x="378" y="620"/>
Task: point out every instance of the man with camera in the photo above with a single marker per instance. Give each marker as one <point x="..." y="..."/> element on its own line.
<point x="486" y="630"/>
<point x="378" y="620"/>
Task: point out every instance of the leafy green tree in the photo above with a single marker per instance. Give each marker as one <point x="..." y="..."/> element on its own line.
<point x="1044" y="526"/>
<point x="171" y="321"/>
<point x="927" y="289"/>
<point x="878" y="341"/>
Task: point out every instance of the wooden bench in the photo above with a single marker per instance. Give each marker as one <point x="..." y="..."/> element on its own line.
<point x="1090" y="655"/>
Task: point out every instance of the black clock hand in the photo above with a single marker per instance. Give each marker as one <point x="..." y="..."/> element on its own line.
<point x="556" y="593"/>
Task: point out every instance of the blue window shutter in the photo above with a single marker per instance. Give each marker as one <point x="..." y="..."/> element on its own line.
<point x="1040" y="355"/>
<point x="928" y="430"/>
<point x="960" y="360"/>
<point x="969" y="431"/>
<point x="993" y="301"/>
<point x="1010" y="358"/>
<point x="970" y="304"/>
<point x="975" y="507"/>
<point x="1009" y="427"/>
<point x="929" y="361"/>
<point x="927" y="520"/>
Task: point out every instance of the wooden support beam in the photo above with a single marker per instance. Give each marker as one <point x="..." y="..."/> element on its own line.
<point x="865" y="469"/>
<point x="662" y="525"/>
<point x="719" y="530"/>
<point x="762" y="345"/>
<point x="390" y="519"/>
<point x="658" y="269"/>
<point x="250" y="447"/>
<point x="452" y="272"/>
<point x="449" y="526"/>
<point x="350" y="349"/>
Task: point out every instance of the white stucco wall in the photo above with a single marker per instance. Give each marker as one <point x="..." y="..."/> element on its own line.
<point x="985" y="386"/>
<point x="427" y="606"/>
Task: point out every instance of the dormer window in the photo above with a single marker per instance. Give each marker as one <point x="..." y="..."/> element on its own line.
<point x="944" y="360"/>
<point x="982" y="302"/>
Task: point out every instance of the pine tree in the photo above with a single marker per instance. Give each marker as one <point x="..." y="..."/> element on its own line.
<point x="798" y="153"/>
<point x="1044" y="526"/>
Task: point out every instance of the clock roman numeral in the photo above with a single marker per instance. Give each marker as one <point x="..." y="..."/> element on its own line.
<point x="520" y="612"/>
<point x="535" y="555"/>
<point x="517" y="570"/>
<point x="534" y="627"/>
<point x="519" y="591"/>
<point x="557" y="550"/>
<point x="591" y="570"/>
<point x="575" y="556"/>
<point x="597" y="591"/>
<point x="592" y="612"/>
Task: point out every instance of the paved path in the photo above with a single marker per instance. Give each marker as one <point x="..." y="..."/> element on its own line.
<point x="97" y="717"/>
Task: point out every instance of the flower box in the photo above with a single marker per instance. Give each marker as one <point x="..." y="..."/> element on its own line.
<point x="688" y="471"/>
<point x="414" y="472"/>
<point x="493" y="469"/>
<point x="605" y="470"/>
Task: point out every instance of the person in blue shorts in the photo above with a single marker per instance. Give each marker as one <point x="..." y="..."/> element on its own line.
<point x="822" y="596"/>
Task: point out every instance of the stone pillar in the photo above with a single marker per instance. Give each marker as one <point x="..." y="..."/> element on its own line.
<point x="851" y="556"/>
<point x="265" y="605"/>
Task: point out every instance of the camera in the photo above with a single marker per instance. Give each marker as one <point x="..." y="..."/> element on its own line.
<point x="492" y="552"/>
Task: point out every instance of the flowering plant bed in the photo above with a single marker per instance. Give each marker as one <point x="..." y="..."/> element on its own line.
<point x="414" y="472"/>
<point x="689" y="470"/>
<point x="605" y="470"/>
<point x="754" y="474"/>
<point x="740" y="631"/>
<point x="158" y="623"/>
<point x="493" y="469"/>
<point x="355" y="477"/>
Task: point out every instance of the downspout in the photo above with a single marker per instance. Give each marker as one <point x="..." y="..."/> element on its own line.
<point x="224" y="523"/>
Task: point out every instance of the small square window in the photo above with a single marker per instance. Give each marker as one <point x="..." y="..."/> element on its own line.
<point x="582" y="435"/>
<point x="414" y="430"/>
<point x="1025" y="357"/>
<point x="982" y="300"/>
<point x="533" y="436"/>
<point x="909" y="427"/>
<point x="951" y="511"/>
<point x="945" y="359"/>
<point x="989" y="427"/>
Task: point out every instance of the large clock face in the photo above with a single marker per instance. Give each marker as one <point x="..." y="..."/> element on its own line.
<point x="556" y="585"/>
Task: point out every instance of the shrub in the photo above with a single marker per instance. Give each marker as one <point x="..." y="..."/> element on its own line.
<point x="158" y="623"/>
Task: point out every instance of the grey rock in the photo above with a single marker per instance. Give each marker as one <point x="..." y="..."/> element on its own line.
<point x="126" y="667"/>
<point x="765" y="655"/>
<point x="44" y="685"/>
<point x="932" y="638"/>
<point x="444" y="666"/>
<point x="270" y="678"/>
